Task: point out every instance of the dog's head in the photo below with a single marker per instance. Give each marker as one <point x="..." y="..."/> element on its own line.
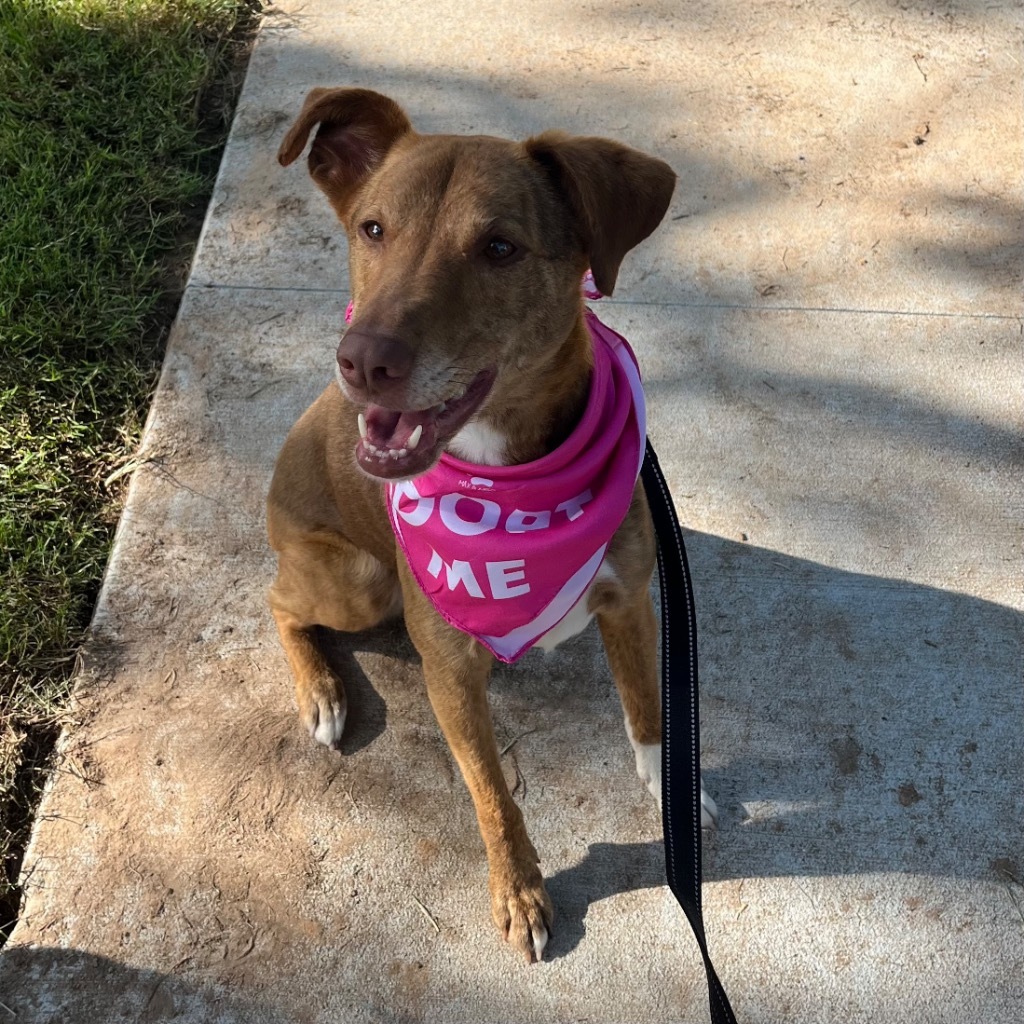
<point x="466" y="255"/>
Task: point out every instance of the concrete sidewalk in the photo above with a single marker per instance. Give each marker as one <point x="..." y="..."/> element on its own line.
<point x="829" y="323"/>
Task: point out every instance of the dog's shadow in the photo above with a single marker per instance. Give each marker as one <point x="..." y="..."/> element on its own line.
<point x="367" y="713"/>
<point x="607" y="870"/>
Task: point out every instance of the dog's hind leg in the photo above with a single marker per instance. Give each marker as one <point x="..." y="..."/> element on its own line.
<point x="325" y="580"/>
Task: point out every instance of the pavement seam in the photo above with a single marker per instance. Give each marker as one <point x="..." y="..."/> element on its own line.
<point x="849" y="310"/>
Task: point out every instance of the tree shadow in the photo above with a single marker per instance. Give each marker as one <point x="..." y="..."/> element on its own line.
<point x="47" y="985"/>
<point x="855" y="724"/>
<point x="851" y="725"/>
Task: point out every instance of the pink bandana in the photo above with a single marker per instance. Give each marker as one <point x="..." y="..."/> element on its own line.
<point x="505" y="552"/>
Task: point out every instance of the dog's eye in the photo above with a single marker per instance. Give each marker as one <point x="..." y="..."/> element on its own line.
<point x="499" y="249"/>
<point x="373" y="231"/>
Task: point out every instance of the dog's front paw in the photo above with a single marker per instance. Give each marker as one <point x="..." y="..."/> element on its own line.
<point x="708" y="809"/>
<point x="648" y="767"/>
<point x="522" y="910"/>
<point x="323" y="709"/>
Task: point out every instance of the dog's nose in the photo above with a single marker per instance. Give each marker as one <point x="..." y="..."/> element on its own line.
<point x="369" y="360"/>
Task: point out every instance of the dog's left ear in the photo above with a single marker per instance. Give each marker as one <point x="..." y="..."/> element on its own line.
<point x="619" y="195"/>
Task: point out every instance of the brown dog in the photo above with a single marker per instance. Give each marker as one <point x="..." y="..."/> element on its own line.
<point x="466" y="257"/>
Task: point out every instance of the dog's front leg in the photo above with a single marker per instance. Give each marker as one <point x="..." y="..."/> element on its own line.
<point x="630" y="633"/>
<point x="456" y="669"/>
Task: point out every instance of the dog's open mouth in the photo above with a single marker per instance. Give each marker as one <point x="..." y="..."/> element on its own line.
<point x="397" y="444"/>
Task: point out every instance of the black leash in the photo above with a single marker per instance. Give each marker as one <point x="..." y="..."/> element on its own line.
<point x="680" y="751"/>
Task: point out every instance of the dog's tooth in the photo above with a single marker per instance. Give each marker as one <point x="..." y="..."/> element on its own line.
<point x="414" y="438"/>
<point x="402" y="452"/>
<point x="361" y="420"/>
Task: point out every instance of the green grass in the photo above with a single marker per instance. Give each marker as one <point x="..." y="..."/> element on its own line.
<point x="112" y="117"/>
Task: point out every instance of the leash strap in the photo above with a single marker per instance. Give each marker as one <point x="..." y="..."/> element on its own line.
<point x="680" y="752"/>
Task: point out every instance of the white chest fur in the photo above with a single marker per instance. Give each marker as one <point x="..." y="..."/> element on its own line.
<point x="479" y="443"/>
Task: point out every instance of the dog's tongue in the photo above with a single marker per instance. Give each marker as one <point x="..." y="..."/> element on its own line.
<point x="388" y="429"/>
<point x="397" y="444"/>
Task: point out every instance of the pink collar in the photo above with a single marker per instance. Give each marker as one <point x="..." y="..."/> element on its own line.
<point x="505" y="552"/>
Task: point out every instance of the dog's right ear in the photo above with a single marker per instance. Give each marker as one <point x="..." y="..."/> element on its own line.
<point x="357" y="127"/>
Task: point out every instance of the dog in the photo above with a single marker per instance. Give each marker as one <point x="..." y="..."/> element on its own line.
<point x="469" y="342"/>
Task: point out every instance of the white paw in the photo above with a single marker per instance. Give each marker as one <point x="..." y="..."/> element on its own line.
<point x="325" y="720"/>
<point x="540" y="940"/>
<point x="708" y="809"/>
<point x="648" y="763"/>
<point x="648" y="767"/>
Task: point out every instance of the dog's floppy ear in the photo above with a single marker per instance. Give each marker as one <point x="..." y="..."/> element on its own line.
<point x="357" y="128"/>
<point x="618" y="194"/>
